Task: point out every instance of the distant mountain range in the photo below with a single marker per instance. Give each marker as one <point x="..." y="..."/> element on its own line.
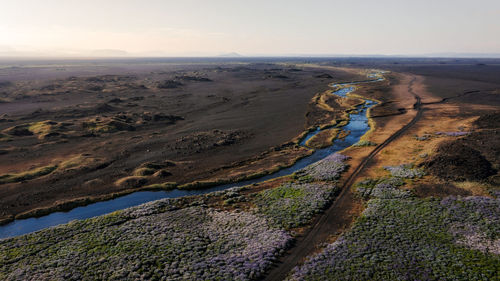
<point x="230" y="55"/>
<point x="11" y="52"/>
<point x="429" y="55"/>
<point x="8" y="51"/>
<point x="463" y="55"/>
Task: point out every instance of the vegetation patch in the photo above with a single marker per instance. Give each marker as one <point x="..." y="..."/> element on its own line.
<point x="131" y="182"/>
<point x="293" y="205"/>
<point x="402" y="237"/>
<point x="323" y="139"/>
<point x="153" y="169"/>
<point x="18" y="131"/>
<point x="106" y="126"/>
<point x="79" y="162"/>
<point x="162" y="174"/>
<point x="154" y="241"/>
<point x="329" y="168"/>
<point x="342" y="123"/>
<point x="45" y="129"/>
<point x="164" y="186"/>
<point x="388" y="187"/>
<point x="414" y="239"/>
<point x="363" y="143"/>
<point x="187" y="238"/>
<point x="382" y="188"/>
<point x="405" y="171"/>
<point x="203" y="184"/>
<point x="42" y="129"/>
<point x="144" y="172"/>
<point x="28" y="175"/>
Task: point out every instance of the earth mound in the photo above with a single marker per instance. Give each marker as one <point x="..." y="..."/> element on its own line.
<point x="488" y="121"/>
<point x="439" y="190"/>
<point x="324" y="75"/>
<point x="459" y="162"/>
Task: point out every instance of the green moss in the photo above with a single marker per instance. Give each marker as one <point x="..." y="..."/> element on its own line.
<point x="28" y="175"/>
<point x="144" y="172"/>
<point x="305" y="178"/>
<point x="342" y="123"/>
<point x="201" y="184"/>
<point x="323" y="139"/>
<point x="132" y="182"/>
<point x="78" y="162"/>
<point x="363" y="143"/>
<point x="107" y="126"/>
<point x="165" y="186"/>
<point x="46" y="128"/>
<point x="43" y="127"/>
<point x="293" y="205"/>
<point x="284" y="192"/>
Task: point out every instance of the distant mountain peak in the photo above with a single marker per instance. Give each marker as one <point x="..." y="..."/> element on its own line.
<point x="231" y="55"/>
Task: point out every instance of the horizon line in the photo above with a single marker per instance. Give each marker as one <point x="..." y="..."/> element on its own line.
<point x="312" y="56"/>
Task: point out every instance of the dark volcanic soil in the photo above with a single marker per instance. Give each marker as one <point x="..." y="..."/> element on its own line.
<point x="473" y="157"/>
<point x="459" y="162"/>
<point x="83" y="130"/>
<point x="439" y="190"/>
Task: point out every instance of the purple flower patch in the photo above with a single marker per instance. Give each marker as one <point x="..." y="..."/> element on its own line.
<point x="329" y="168"/>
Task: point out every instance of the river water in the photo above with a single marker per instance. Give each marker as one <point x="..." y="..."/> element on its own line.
<point x="357" y="126"/>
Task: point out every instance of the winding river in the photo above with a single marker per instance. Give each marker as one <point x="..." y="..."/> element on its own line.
<point x="357" y="126"/>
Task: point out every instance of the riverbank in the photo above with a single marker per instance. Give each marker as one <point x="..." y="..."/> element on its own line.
<point x="242" y="230"/>
<point x="356" y="127"/>
<point x="107" y="129"/>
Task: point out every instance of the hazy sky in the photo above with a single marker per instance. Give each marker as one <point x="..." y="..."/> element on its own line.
<point x="267" y="27"/>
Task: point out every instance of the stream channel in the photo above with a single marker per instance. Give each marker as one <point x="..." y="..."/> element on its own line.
<point x="357" y="127"/>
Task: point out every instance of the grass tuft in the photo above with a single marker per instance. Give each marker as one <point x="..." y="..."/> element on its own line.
<point x="28" y="175"/>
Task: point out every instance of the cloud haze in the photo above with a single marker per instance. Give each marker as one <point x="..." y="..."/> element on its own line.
<point x="189" y="27"/>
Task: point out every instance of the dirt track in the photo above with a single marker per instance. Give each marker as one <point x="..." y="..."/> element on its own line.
<point x="337" y="216"/>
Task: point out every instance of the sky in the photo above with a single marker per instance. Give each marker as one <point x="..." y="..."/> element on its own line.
<point x="250" y="28"/>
